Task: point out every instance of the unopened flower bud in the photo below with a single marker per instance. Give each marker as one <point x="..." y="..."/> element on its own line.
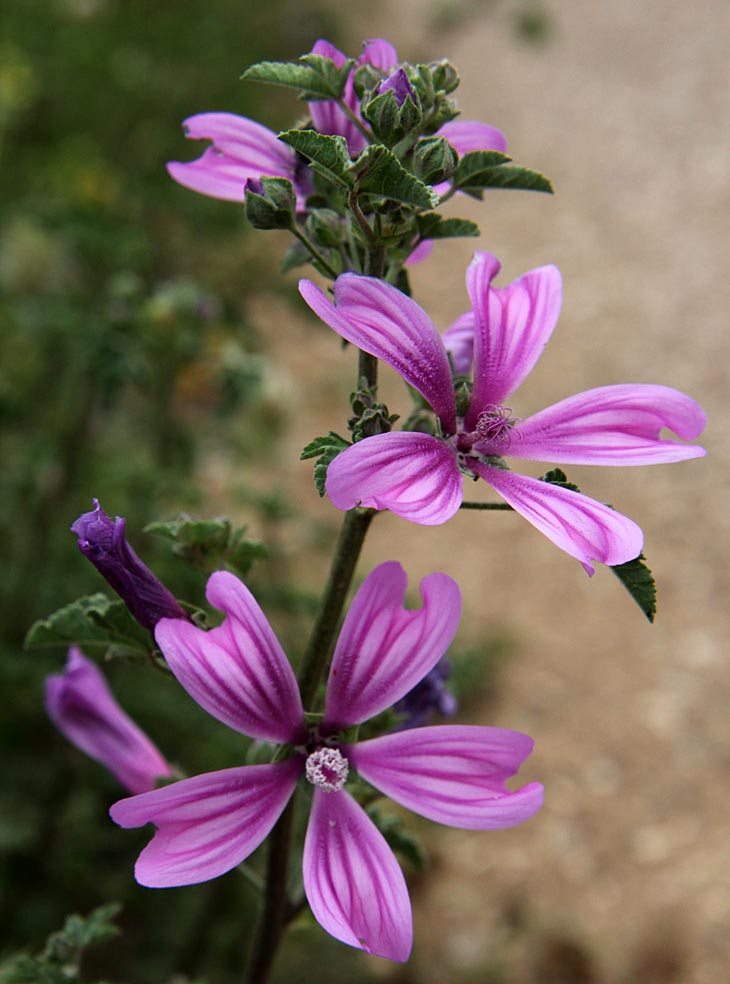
<point x="102" y="540"/>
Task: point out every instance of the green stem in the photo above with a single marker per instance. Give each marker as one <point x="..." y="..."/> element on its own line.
<point x="331" y="272"/>
<point x="354" y="118"/>
<point x="487" y="505"/>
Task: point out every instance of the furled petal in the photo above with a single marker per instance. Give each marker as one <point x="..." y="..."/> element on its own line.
<point x="512" y="327"/>
<point x="384" y="649"/>
<point x="612" y="425"/>
<point x="242" y="149"/>
<point x="352" y="880"/>
<point x="383" y="321"/>
<point x="458" y="341"/>
<point x="582" y="527"/>
<point x="380" y="53"/>
<point x="454" y="774"/>
<point x="414" y="475"/>
<point x="81" y="705"/>
<point x="468" y="135"/>
<point x="208" y="824"/>
<point x="238" y="671"/>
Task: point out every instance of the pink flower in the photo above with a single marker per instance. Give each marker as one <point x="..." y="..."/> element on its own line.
<point x="239" y="673"/>
<point x="419" y="476"/>
<point x="243" y="149"/>
<point x="82" y="707"/>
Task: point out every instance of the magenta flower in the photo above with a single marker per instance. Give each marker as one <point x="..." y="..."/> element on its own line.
<point x="419" y="476"/>
<point x="239" y="673"/>
<point x="243" y="149"/>
<point x="81" y="705"/>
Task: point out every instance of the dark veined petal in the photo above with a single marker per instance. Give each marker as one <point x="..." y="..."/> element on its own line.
<point x="384" y="649"/>
<point x="512" y="327"/>
<point x="585" y="529"/>
<point x="352" y="880"/>
<point x="383" y="321"/>
<point x="414" y="475"/>
<point x="453" y="774"/>
<point x="466" y="136"/>
<point x="208" y="824"/>
<point x="237" y="672"/>
<point x="458" y="340"/>
<point x="612" y="425"/>
<point x="380" y="53"/>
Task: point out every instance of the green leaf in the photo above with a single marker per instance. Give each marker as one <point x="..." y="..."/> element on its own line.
<point x="209" y="544"/>
<point x="93" y="621"/>
<point x="380" y="174"/>
<point x="401" y="840"/>
<point x="333" y="78"/>
<point x="489" y="169"/>
<point x="295" y="255"/>
<point x="557" y="476"/>
<point x="431" y="225"/>
<point x="311" y="83"/>
<point x="327" y="155"/>
<point x="637" y="578"/>
<point x="326" y="449"/>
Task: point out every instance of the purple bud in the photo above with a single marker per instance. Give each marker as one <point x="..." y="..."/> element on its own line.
<point x="400" y="86"/>
<point x="82" y="707"/>
<point x="254" y="185"/>
<point x="430" y="695"/>
<point x="102" y="541"/>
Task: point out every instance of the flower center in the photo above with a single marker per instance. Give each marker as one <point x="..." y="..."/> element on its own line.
<point x="327" y="768"/>
<point x="494" y="424"/>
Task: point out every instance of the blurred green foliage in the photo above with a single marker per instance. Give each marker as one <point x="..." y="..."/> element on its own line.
<point x="126" y="360"/>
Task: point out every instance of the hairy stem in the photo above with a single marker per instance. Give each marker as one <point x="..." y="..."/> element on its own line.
<point x="314" y="251"/>
<point x="487" y="505"/>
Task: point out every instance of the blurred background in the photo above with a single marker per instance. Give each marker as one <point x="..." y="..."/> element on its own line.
<point x="151" y="355"/>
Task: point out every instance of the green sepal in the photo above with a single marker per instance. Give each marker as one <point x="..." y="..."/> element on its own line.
<point x="209" y="544"/>
<point x="379" y="174"/>
<point x="326" y="449"/>
<point x="369" y="417"/>
<point x="637" y="578"/>
<point x="434" y="160"/>
<point x="431" y="225"/>
<point x="92" y="621"/>
<point x="325" y="227"/>
<point x="481" y="169"/>
<point x="295" y="255"/>
<point x="366" y="79"/>
<point x="327" y="155"/>
<point x="313" y="719"/>
<point x="444" y="76"/>
<point x="274" y="207"/>
<point x="390" y="122"/>
<point x="316" y="77"/>
<point x="401" y="840"/>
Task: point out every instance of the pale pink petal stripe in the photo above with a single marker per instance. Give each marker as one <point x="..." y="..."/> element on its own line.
<point x="582" y="527"/>
<point x="453" y="774"/>
<point x="383" y="321"/>
<point x="512" y="326"/>
<point x="237" y="672"/>
<point x="352" y="880"/>
<point x="612" y="425"/>
<point x="414" y="475"/>
<point x="208" y="824"/>
<point x="458" y="341"/>
<point x="384" y="649"/>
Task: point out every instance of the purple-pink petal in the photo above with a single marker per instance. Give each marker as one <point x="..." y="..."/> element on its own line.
<point x="208" y="824"/>
<point x="384" y="649"/>
<point x="83" y="708"/>
<point x="327" y="115"/>
<point x="352" y="880"/>
<point x="238" y="672"/>
<point x="453" y="774"/>
<point x="512" y="326"/>
<point x="383" y="321"/>
<point x="242" y="149"/>
<point x="414" y="475"/>
<point x="585" y="529"/>
<point x="612" y="425"/>
<point x="380" y="53"/>
<point x="466" y="136"/>
<point x="458" y="341"/>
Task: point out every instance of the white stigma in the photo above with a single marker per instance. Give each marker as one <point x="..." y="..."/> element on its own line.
<point x="327" y="768"/>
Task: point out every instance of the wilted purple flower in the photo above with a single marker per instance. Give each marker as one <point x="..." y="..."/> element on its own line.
<point x="419" y="476"/>
<point x="82" y="707"/>
<point x="243" y="149"/>
<point x="239" y="673"/>
<point x="102" y="540"/>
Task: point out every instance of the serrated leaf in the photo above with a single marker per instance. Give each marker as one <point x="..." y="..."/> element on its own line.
<point x="293" y="75"/>
<point x="326" y="449"/>
<point x="380" y="174"/>
<point x="94" y="620"/>
<point x="556" y="476"/>
<point x="489" y="169"/>
<point x="208" y="544"/>
<point x="435" y="226"/>
<point x="637" y="578"/>
<point x="333" y="78"/>
<point x="328" y="155"/>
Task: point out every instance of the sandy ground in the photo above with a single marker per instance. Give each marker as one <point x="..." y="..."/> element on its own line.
<point x="625" y="875"/>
